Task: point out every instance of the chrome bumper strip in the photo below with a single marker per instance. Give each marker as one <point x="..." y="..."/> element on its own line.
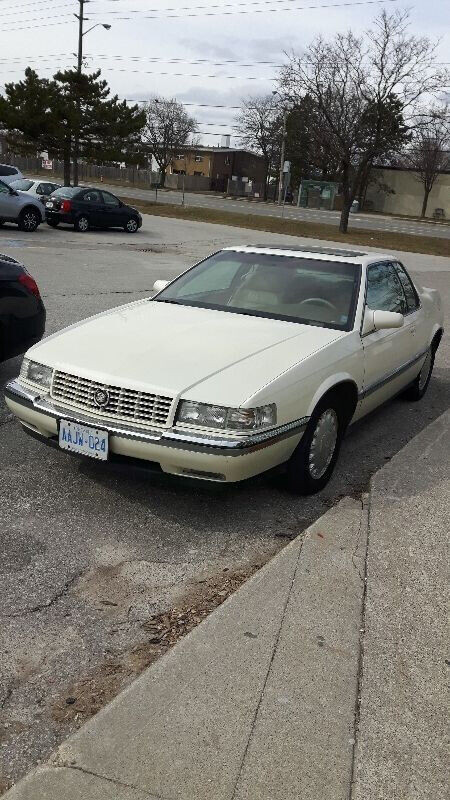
<point x="392" y="375"/>
<point x="175" y="438"/>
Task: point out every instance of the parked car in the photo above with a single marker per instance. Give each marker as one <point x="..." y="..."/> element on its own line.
<point x="86" y="208"/>
<point x="22" y="312"/>
<point x="9" y="173"/>
<point x="253" y="358"/>
<point x="39" y="189"/>
<point x="19" y="207"/>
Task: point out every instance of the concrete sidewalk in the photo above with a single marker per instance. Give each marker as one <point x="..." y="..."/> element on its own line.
<point x="301" y="686"/>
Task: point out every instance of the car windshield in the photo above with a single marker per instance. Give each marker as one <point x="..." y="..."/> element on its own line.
<point x="306" y="290"/>
<point x="67" y="191"/>
<point x="21" y="185"/>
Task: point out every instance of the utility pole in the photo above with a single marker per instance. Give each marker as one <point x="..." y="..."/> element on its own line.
<point x="81" y="33"/>
<point x="76" y="143"/>
<point x="80" y="36"/>
<point x="283" y="148"/>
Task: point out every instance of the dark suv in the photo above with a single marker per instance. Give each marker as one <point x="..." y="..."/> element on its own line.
<point x="86" y="208"/>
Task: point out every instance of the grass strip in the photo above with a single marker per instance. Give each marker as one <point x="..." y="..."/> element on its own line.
<point x="385" y="240"/>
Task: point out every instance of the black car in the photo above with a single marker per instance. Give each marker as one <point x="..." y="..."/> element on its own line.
<point x="86" y="208"/>
<point x="22" y="312"/>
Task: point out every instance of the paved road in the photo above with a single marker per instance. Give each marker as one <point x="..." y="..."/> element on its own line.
<point x="370" y="221"/>
<point x="88" y="555"/>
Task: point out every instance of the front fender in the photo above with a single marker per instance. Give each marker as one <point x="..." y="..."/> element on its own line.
<point x="329" y="383"/>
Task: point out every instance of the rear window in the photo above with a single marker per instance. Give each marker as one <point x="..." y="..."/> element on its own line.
<point x="67" y="191"/>
<point x="5" y="170"/>
<point x="21" y="185"/>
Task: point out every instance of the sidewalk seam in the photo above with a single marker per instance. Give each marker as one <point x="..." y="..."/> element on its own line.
<point x="365" y="521"/>
<point x="269" y="668"/>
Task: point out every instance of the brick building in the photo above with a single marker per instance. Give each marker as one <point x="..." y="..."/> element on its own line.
<point x="219" y="164"/>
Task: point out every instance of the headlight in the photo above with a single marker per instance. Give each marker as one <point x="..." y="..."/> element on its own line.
<point x="237" y="419"/>
<point x="36" y="373"/>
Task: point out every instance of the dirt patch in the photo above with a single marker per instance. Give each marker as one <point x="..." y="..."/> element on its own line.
<point x="84" y="698"/>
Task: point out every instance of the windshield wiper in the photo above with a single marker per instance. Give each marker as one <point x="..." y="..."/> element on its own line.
<point x="174" y="302"/>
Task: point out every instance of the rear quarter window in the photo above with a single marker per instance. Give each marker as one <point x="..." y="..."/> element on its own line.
<point x="6" y="170"/>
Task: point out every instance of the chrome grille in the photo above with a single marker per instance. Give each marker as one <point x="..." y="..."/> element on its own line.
<point x="128" y="404"/>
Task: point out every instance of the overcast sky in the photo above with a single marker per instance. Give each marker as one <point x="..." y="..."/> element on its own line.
<point x="43" y="34"/>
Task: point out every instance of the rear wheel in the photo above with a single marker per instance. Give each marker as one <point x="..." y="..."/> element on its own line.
<point x="312" y="463"/>
<point x="131" y="225"/>
<point x="29" y="220"/>
<point x="53" y="223"/>
<point x="417" y="389"/>
<point x="82" y="224"/>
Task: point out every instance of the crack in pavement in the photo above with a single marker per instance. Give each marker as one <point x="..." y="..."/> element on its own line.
<point x="48" y="603"/>
<point x="68" y="765"/>
<point x="96" y="294"/>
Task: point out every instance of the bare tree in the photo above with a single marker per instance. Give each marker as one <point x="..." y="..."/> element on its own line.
<point x="259" y="127"/>
<point x="366" y="91"/>
<point x="168" y="130"/>
<point x="428" y="154"/>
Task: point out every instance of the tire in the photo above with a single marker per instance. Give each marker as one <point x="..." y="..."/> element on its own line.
<point x="131" y="225"/>
<point x="29" y="220"/>
<point x="417" y="389"/>
<point x="306" y="474"/>
<point x="53" y="223"/>
<point x="82" y="224"/>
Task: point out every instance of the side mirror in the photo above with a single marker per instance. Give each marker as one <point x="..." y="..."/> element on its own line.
<point x="381" y="320"/>
<point x="13" y="192"/>
<point x="158" y="286"/>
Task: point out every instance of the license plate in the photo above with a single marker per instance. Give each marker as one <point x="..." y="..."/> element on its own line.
<point x="49" y="205"/>
<point x="84" y="440"/>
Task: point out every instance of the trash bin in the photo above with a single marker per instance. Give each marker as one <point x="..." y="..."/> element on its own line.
<point x="355" y="206"/>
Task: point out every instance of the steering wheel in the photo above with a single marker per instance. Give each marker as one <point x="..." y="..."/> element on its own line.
<point x="319" y="301"/>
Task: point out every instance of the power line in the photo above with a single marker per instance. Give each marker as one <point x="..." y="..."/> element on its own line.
<point x="16" y="13"/>
<point x="195" y="8"/>
<point x="33" y="27"/>
<point x="223" y="13"/>
<point x="102" y="56"/>
<point x="256" y="10"/>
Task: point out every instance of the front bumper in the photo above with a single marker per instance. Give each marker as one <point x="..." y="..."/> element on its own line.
<point x="178" y="451"/>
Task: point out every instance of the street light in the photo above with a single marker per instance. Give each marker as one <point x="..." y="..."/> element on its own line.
<point x="81" y="18"/>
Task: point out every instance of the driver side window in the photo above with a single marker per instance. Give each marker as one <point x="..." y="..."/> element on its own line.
<point x="384" y="290"/>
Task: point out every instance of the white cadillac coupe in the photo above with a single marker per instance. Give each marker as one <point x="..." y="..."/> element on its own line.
<point x="255" y="357"/>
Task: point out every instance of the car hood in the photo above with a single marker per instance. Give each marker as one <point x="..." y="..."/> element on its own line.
<point x="171" y="350"/>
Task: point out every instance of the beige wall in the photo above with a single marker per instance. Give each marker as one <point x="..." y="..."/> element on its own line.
<point x="190" y="165"/>
<point x="408" y="195"/>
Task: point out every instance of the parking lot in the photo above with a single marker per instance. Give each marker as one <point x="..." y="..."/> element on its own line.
<point x="90" y="556"/>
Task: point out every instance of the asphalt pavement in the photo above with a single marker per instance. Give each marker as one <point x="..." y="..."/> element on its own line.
<point x="90" y="555"/>
<point x="242" y="206"/>
<point x="324" y="676"/>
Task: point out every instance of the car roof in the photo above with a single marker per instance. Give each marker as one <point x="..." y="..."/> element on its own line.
<point x="319" y="253"/>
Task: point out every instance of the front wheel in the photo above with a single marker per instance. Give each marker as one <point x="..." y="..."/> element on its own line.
<point x="29" y="220"/>
<point x="417" y="389"/>
<point x="82" y="224"/>
<point x="131" y="225"/>
<point x="312" y="463"/>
